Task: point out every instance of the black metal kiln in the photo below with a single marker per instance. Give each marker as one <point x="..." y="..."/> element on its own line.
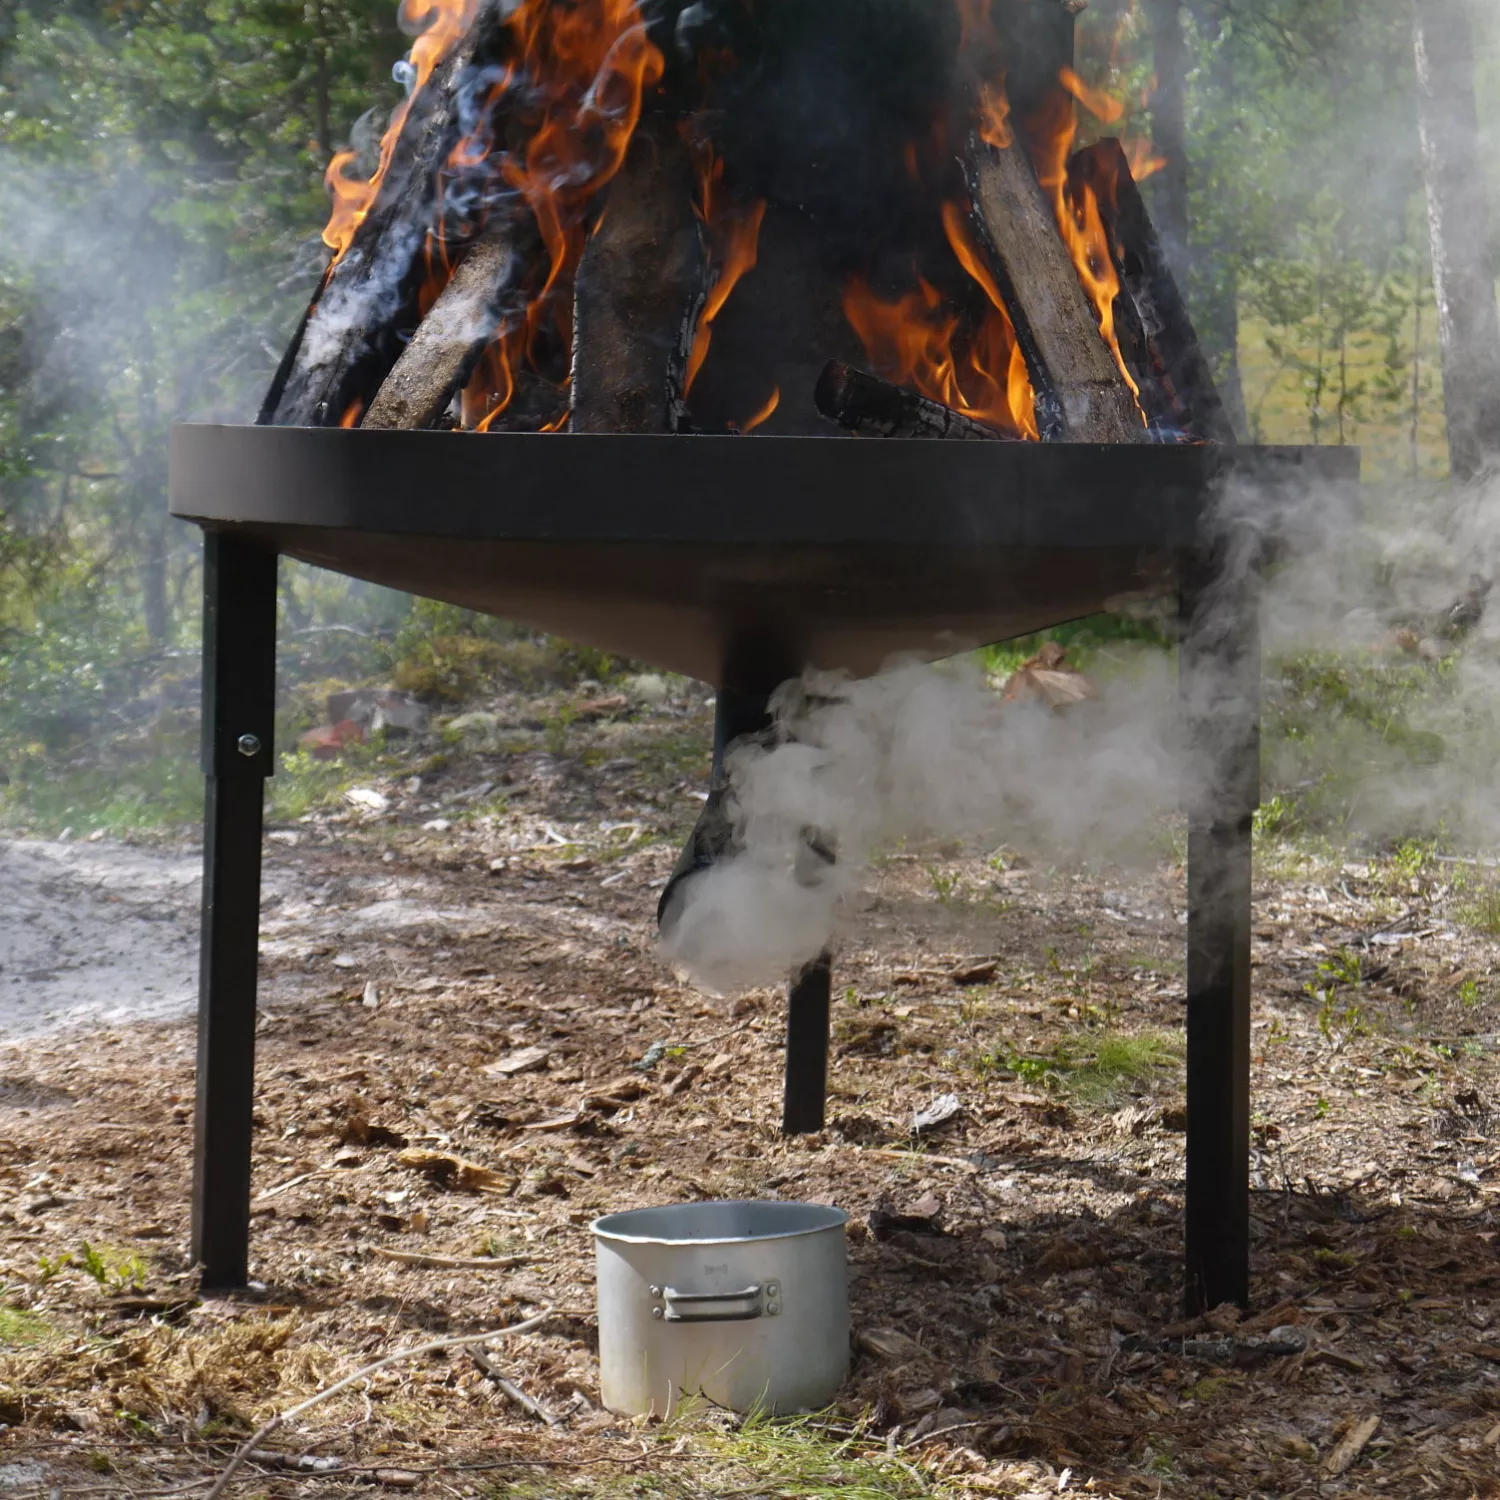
<point x="588" y="205"/>
<point x="813" y="552"/>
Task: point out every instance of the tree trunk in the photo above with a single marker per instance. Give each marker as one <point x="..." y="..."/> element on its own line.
<point x="1213" y="289"/>
<point x="1458" y="223"/>
<point x="1169" y="133"/>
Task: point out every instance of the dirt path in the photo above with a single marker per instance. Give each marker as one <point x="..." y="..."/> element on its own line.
<point x="95" y="933"/>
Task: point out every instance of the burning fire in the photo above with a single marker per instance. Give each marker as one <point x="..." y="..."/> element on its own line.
<point x="734" y="232"/>
<point x="914" y="341"/>
<point x="994" y="116"/>
<point x="1076" y="208"/>
<point x="1143" y="157"/>
<point x="442" y="23"/>
<point x="577" y="76"/>
<point x="573" y="87"/>
<point x="766" y="412"/>
<point x="581" y="73"/>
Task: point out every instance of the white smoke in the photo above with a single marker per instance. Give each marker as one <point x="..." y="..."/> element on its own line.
<point x="919" y="752"/>
<point x="914" y="752"/>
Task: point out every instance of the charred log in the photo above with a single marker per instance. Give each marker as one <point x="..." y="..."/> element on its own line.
<point x="351" y="336"/>
<point x="862" y="402"/>
<point x="1177" y="384"/>
<point x="460" y="324"/>
<point x="640" y="286"/>
<point x="1082" y="396"/>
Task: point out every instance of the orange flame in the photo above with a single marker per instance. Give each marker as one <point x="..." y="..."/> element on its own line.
<point x="997" y="343"/>
<point x="735" y="232"/>
<point x="1102" y="106"/>
<point x="914" y="341"/>
<point x="994" y="116"/>
<point x="354" y="412"/>
<point x="1145" y="160"/>
<point x="1078" y="219"/>
<point x="492" y="386"/>
<point x="766" y="412"/>
<point x="588" y="66"/>
<point x="444" y="22"/>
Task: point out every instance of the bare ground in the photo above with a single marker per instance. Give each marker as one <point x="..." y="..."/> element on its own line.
<point x="1015" y="1274"/>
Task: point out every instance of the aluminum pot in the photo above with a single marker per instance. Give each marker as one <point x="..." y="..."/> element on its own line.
<point x="744" y="1303"/>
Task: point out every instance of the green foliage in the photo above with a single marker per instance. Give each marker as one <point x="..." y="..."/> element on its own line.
<point x="1359" y="736"/>
<point x="112" y="1269"/>
<point x="1087" y="641"/>
<point x="1095" y="1068"/>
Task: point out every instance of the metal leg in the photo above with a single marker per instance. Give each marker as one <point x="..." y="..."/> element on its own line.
<point x="809" y="1000"/>
<point x="239" y="675"/>
<point x="1220" y="668"/>
<point x="744" y="711"/>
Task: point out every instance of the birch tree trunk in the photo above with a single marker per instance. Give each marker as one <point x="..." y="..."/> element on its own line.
<point x="1458" y="224"/>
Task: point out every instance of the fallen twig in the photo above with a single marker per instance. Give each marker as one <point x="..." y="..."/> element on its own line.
<point x="938" y="1432"/>
<point x="453" y="1262"/>
<point x="432" y="1347"/>
<point x="922" y="1156"/>
<point x="510" y="1388"/>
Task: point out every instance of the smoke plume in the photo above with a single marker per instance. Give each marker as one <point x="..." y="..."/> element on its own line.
<point x="1390" y="582"/>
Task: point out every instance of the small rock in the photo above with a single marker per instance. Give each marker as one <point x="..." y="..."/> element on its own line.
<point x="371" y="997"/>
<point x="367" y="799"/>
<point x="940" y="1112"/>
<point x="344" y="961"/>
<point x="647" y="687"/>
<point x="476" y="725"/>
<point x="436" y="825"/>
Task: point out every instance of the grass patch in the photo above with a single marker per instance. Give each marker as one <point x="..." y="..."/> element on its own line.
<point x="1097" y="1069"/>
<point x="20" y="1329"/>
<point x="811" y="1458"/>
<point x="1480" y="908"/>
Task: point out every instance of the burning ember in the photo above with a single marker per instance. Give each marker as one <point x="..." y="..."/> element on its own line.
<point x="736" y="228"/>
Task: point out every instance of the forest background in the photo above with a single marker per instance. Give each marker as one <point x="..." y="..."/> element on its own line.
<point x="161" y="195"/>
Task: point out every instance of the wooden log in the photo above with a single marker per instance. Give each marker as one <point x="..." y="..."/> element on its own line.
<point x="1082" y="396"/>
<point x="640" y="287"/>
<point x="862" y="402"/>
<point x="1177" y="380"/>
<point x="463" y="320"/>
<point x="351" y="337"/>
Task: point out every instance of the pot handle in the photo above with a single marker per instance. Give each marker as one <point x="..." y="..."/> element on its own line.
<point x="713" y="1307"/>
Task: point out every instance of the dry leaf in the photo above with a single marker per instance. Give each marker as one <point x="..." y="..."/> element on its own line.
<point x="454" y="1172"/>
<point x="980" y="973"/>
<point x="527" y="1060"/>
<point x="890" y="1343"/>
<point x="1047" y="678"/>
<point x="1350" y="1446"/>
<point x="940" y="1112"/>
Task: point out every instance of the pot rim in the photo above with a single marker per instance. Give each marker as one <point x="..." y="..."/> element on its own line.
<point x="601" y="1230"/>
